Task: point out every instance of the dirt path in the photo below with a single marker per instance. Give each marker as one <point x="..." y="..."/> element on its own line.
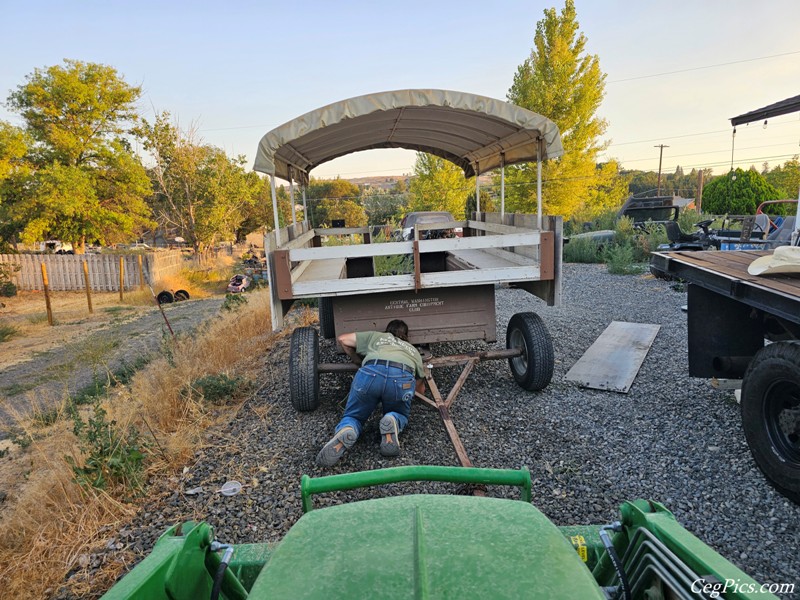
<point x="40" y="365"/>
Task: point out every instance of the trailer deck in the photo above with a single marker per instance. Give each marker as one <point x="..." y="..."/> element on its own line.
<point x="731" y="317"/>
<point x="726" y="273"/>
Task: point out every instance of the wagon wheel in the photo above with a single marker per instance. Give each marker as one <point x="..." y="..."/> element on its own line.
<point x="326" y="327"/>
<point x="181" y="295"/>
<point x="771" y="415"/>
<point x="165" y="297"/>
<point x="533" y="369"/>
<point x="304" y="369"/>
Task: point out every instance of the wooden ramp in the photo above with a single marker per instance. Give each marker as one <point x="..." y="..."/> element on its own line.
<point x="613" y="361"/>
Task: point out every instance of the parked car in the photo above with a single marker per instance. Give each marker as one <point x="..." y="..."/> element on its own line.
<point x="238" y="283"/>
<point x="412" y="219"/>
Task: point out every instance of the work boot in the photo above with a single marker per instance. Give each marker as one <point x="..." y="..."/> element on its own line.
<point x="390" y="444"/>
<point x="335" y="448"/>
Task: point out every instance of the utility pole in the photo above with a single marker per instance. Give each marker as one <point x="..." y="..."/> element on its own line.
<point x="660" y="156"/>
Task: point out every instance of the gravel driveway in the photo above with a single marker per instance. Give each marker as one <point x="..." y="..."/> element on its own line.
<point x="672" y="438"/>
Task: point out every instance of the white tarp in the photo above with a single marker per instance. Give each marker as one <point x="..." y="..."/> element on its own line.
<point x="475" y="132"/>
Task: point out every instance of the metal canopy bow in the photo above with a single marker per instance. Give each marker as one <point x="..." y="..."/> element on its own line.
<point x="474" y="132"/>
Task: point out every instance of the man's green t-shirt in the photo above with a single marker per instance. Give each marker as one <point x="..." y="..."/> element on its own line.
<point x="375" y="345"/>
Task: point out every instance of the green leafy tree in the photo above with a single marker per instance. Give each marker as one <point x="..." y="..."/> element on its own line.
<point x="81" y="180"/>
<point x="383" y="208"/>
<point x="737" y="193"/>
<point x="487" y="203"/>
<point x="259" y="214"/>
<point x="438" y="184"/>
<point x="320" y="190"/>
<point x="562" y="82"/>
<point x="198" y="190"/>
<point x="786" y="178"/>
<point x="350" y="211"/>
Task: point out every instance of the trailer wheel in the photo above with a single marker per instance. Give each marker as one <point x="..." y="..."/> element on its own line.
<point x="771" y="415"/>
<point x="304" y="369"/>
<point x="165" y="297"/>
<point x="533" y="370"/>
<point x="181" y="295"/>
<point x="326" y="327"/>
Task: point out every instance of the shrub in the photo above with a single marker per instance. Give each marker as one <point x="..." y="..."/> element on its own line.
<point x="620" y="260"/>
<point x="111" y="454"/>
<point x="220" y="388"/>
<point x="583" y="250"/>
<point x="233" y="302"/>
<point x="7" y="332"/>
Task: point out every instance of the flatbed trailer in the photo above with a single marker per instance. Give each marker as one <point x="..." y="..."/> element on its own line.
<point x="746" y="329"/>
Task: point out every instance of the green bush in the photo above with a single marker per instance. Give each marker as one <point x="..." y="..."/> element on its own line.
<point x="111" y="455"/>
<point x="220" y="388"/>
<point x="233" y="302"/>
<point x="7" y="332"/>
<point x="583" y="250"/>
<point x="620" y="260"/>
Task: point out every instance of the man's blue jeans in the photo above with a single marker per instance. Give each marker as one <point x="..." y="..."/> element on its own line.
<point x="392" y="387"/>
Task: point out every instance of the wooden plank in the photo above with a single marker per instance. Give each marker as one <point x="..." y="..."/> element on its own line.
<point x="354" y="251"/>
<point x="613" y="361"/>
<point x="498" y="228"/>
<point x="300" y="241"/>
<point x="488" y="241"/>
<point x="492" y="258"/>
<point x="345" y="287"/>
<point x="321" y="270"/>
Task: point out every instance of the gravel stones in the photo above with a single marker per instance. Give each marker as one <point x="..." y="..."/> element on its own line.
<point x="672" y="439"/>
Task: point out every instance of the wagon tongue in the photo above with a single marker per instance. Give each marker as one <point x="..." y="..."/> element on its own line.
<point x="424" y="546"/>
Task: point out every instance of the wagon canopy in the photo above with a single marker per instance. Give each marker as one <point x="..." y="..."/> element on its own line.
<point x="475" y="132"/>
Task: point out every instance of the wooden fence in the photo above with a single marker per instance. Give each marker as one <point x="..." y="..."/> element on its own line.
<point x="65" y="271"/>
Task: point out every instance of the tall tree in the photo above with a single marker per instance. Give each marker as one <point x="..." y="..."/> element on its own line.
<point x="438" y="184"/>
<point x="739" y="193"/>
<point x="320" y="190"/>
<point x="786" y="178"/>
<point x="83" y="180"/>
<point x="565" y="84"/>
<point x="199" y="191"/>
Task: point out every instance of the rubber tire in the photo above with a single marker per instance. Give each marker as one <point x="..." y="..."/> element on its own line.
<point x="304" y="369"/>
<point x="165" y="297"/>
<point x="777" y="456"/>
<point x="534" y="369"/>
<point x="181" y="295"/>
<point x="326" y="327"/>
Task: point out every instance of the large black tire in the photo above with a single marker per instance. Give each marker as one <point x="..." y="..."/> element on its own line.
<point x="165" y="297"/>
<point x="326" y="327"/>
<point x="181" y="295"/>
<point x="533" y="370"/>
<point x="304" y="369"/>
<point x="771" y="415"/>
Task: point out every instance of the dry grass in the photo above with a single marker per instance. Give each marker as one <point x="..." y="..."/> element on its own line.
<point x="54" y="523"/>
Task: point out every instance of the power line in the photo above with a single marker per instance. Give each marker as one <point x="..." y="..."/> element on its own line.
<point x="725" y="64"/>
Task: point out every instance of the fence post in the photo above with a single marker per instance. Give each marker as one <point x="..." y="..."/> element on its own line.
<point x="141" y="273"/>
<point x="121" y="276"/>
<point x="47" y="295"/>
<point x="88" y="286"/>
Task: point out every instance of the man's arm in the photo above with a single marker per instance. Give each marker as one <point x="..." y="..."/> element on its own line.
<point x="348" y="343"/>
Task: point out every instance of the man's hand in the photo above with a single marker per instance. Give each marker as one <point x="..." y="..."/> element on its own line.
<point x="420" y="386"/>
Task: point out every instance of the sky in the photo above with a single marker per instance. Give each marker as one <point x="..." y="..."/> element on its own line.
<point x="676" y="72"/>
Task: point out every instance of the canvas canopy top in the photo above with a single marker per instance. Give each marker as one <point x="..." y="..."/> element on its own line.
<point x="476" y="133"/>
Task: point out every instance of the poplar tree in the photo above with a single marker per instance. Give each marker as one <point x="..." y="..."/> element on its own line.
<point x="564" y="83"/>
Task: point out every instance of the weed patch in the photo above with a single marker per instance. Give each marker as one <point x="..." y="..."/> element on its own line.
<point x="233" y="302"/>
<point x="7" y="332"/>
<point x="219" y="389"/>
<point x="110" y="455"/>
<point x="583" y="250"/>
<point x="620" y="260"/>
